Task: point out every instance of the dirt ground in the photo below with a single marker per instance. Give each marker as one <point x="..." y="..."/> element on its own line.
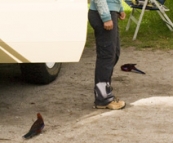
<point x="66" y="103"/>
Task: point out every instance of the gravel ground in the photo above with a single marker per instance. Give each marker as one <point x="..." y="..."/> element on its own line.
<point x="66" y="103"/>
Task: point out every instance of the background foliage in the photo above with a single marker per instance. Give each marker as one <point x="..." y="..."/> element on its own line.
<point x="153" y="32"/>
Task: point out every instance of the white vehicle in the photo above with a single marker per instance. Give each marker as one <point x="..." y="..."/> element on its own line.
<point x="42" y="34"/>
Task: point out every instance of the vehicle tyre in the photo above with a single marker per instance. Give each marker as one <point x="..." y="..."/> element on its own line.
<point x="40" y="73"/>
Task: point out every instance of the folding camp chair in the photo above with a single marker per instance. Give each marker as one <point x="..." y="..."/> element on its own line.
<point x="144" y="5"/>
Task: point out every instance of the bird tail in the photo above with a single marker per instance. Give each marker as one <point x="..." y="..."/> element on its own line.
<point x="28" y="135"/>
<point x="137" y="70"/>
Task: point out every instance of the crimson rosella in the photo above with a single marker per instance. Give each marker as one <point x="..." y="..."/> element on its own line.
<point x="36" y="128"/>
<point x="131" y="67"/>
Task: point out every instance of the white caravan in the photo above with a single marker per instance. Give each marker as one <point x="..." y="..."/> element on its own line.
<point x="42" y="34"/>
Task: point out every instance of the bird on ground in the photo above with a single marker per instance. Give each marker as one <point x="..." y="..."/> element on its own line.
<point x="36" y="128"/>
<point x="131" y="67"/>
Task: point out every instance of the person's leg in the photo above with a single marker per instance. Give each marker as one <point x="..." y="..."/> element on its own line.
<point x="105" y="61"/>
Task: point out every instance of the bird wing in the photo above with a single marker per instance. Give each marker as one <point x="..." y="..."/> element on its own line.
<point x="35" y="129"/>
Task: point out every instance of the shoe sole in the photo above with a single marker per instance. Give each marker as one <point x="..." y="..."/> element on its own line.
<point x="106" y="107"/>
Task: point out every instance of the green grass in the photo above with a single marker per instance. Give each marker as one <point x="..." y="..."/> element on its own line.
<point x="153" y="32"/>
<point x="90" y="37"/>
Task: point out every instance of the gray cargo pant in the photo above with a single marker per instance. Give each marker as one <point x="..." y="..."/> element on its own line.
<point x="108" y="52"/>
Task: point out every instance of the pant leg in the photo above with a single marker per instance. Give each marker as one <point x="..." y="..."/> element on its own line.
<point x="107" y="47"/>
<point x="117" y="42"/>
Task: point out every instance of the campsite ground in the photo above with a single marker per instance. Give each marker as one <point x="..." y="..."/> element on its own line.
<point x="66" y="103"/>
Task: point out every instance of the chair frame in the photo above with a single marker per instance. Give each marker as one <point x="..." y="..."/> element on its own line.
<point x="160" y="11"/>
